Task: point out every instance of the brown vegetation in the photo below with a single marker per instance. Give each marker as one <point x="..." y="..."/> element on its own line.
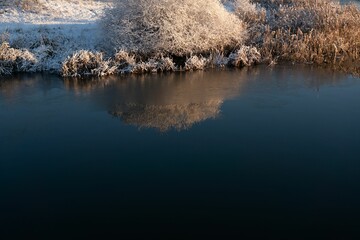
<point x="29" y="5"/>
<point x="157" y="36"/>
<point x="182" y="28"/>
<point x="321" y="32"/>
<point x="14" y="60"/>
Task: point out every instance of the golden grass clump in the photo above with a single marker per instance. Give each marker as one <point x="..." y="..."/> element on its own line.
<point x="86" y="63"/>
<point x="322" y="32"/>
<point x="153" y="65"/>
<point x="245" y="56"/>
<point x="14" y="60"/>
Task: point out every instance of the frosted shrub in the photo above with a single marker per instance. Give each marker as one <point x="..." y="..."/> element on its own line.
<point x="245" y="56"/>
<point x="218" y="60"/>
<point x="195" y="63"/>
<point x="84" y="63"/>
<point x="124" y="58"/>
<point x="14" y="60"/>
<point x="150" y="27"/>
<point x="245" y="7"/>
<point x="166" y="64"/>
<point x="162" y="64"/>
<point x="251" y="13"/>
<point x="124" y="61"/>
<point x="323" y="32"/>
<point x="30" y="5"/>
<point x="146" y="67"/>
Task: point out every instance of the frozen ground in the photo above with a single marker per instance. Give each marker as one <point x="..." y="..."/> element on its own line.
<point x="53" y="12"/>
<point x="53" y="30"/>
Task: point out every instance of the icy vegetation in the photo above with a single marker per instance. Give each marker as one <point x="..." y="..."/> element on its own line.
<point x="150" y="27"/>
<point x="321" y="32"/>
<point x="49" y="30"/>
<point x="100" y="37"/>
<point x="12" y="60"/>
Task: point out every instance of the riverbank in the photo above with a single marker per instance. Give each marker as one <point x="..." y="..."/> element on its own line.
<point x="53" y="32"/>
<point x="68" y="38"/>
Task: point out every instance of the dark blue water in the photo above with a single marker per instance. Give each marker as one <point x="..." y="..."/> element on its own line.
<point x="233" y="154"/>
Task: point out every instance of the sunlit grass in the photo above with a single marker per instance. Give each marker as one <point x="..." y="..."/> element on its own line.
<point x="168" y="35"/>
<point x="321" y="32"/>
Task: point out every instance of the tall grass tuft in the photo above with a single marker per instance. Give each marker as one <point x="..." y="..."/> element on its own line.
<point x="14" y="60"/>
<point x="321" y="32"/>
<point x="86" y="63"/>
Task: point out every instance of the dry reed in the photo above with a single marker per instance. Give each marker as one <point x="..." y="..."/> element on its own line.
<point x="321" y="32"/>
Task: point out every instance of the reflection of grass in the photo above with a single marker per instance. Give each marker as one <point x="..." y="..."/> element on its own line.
<point x="164" y="101"/>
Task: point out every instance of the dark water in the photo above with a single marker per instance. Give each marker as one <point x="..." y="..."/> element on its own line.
<point x="241" y="154"/>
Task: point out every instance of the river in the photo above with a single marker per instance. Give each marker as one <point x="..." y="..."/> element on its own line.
<point x="234" y="153"/>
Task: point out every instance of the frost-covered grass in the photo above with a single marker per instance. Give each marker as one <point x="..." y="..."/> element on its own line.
<point x="14" y="60"/>
<point x="31" y="5"/>
<point x="93" y="37"/>
<point x="50" y="45"/>
<point x="182" y="28"/>
<point x="321" y="32"/>
<point x="25" y="5"/>
<point x="54" y="34"/>
<point x="84" y="63"/>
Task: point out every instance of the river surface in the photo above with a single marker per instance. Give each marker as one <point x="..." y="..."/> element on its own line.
<point x="253" y="153"/>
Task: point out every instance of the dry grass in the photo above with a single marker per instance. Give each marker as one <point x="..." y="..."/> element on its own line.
<point x="245" y="56"/>
<point x="170" y="27"/>
<point x="30" y="5"/>
<point x="168" y="35"/>
<point x="14" y="60"/>
<point x="321" y="32"/>
<point x="86" y="63"/>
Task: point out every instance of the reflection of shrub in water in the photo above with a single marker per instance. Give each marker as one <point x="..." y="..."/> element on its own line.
<point x="164" y="101"/>
<point x="175" y="101"/>
<point x="166" y="117"/>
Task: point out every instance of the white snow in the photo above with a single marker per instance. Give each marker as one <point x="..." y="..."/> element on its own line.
<point x="55" y="12"/>
<point x="59" y="28"/>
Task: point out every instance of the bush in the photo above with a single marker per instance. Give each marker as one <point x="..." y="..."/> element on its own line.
<point x="245" y="56"/>
<point x="86" y="63"/>
<point x="14" y="60"/>
<point x="151" y="27"/>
